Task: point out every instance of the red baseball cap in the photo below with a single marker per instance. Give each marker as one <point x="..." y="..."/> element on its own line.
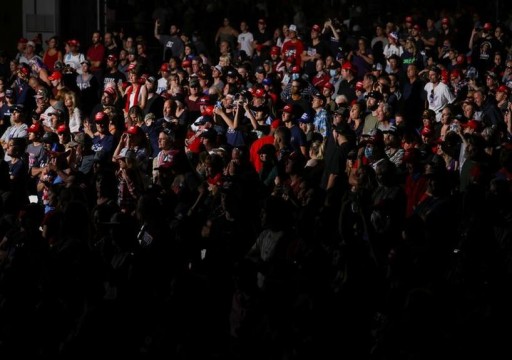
<point x="134" y="130"/>
<point x="164" y="67"/>
<point x="472" y="124"/>
<point x="276" y="123"/>
<point x="329" y="86"/>
<point x="109" y="90"/>
<point x="259" y="93"/>
<point x="56" y="75"/>
<point x="62" y="129"/>
<point x="288" y="108"/>
<point x="73" y="42"/>
<point x="316" y="28"/>
<point x="35" y="128"/>
<point x="503" y="88"/>
<point x="100" y="117"/>
<point x="348" y="66"/>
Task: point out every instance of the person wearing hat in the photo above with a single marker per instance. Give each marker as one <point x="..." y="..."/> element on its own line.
<point x="6" y="110"/>
<point x="298" y="141"/>
<point x="102" y="139"/>
<point x="373" y="100"/>
<point x="308" y="128"/>
<point x="73" y="58"/>
<point x="393" y="148"/>
<point x="334" y="179"/>
<point x="18" y="129"/>
<point x="269" y="169"/>
<point x="24" y="92"/>
<point x="294" y="47"/>
<point x="113" y="77"/>
<point x="327" y="91"/>
<point x="392" y="48"/>
<point x="154" y="102"/>
<point x="502" y="98"/>
<point x="321" y="116"/>
<point x="348" y="81"/>
<point x="29" y="54"/>
<point x="37" y="156"/>
<point x="316" y="48"/>
<point x="134" y="140"/>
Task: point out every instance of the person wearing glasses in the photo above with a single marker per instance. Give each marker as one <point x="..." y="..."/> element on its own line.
<point x="438" y="94"/>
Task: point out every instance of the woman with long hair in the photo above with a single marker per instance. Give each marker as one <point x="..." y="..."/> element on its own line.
<point x="52" y="53"/>
<point x="75" y="115"/>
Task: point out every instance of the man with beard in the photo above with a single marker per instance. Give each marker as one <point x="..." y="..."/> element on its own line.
<point x="173" y="45"/>
<point x="372" y="104"/>
<point x="108" y="98"/>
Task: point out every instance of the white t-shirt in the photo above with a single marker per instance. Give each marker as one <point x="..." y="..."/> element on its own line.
<point x="75" y="61"/>
<point x="245" y="40"/>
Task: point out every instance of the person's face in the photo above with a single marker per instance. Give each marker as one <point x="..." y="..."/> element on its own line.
<point x="173" y="29"/>
<point x="295" y="89"/>
<point x="501" y="96"/>
<point x="259" y="115"/>
<point x="287" y="117"/>
<point x="380" y="114"/>
<point x="468" y="111"/>
<point x="10" y="148"/>
<point x="68" y="101"/>
<point x="445" y="116"/>
<point x="15" y="116"/>
<point x="319" y="66"/>
<point x="355" y="112"/>
<point x="163" y="141"/>
<point x="96" y="38"/>
<point x="107" y="40"/>
<point x="478" y="98"/>
<point x="101" y="127"/>
<point x="433" y="77"/>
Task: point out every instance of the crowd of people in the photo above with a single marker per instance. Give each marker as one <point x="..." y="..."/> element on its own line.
<point x="314" y="192"/>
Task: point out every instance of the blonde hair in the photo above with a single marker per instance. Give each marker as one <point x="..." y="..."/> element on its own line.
<point x="317" y="149"/>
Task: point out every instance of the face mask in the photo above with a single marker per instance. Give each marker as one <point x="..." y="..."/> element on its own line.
<point x="368" y="152"/>
<point x="332" y="73"/>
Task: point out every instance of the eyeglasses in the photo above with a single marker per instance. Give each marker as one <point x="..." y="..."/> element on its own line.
<point x="431" y="95"/>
